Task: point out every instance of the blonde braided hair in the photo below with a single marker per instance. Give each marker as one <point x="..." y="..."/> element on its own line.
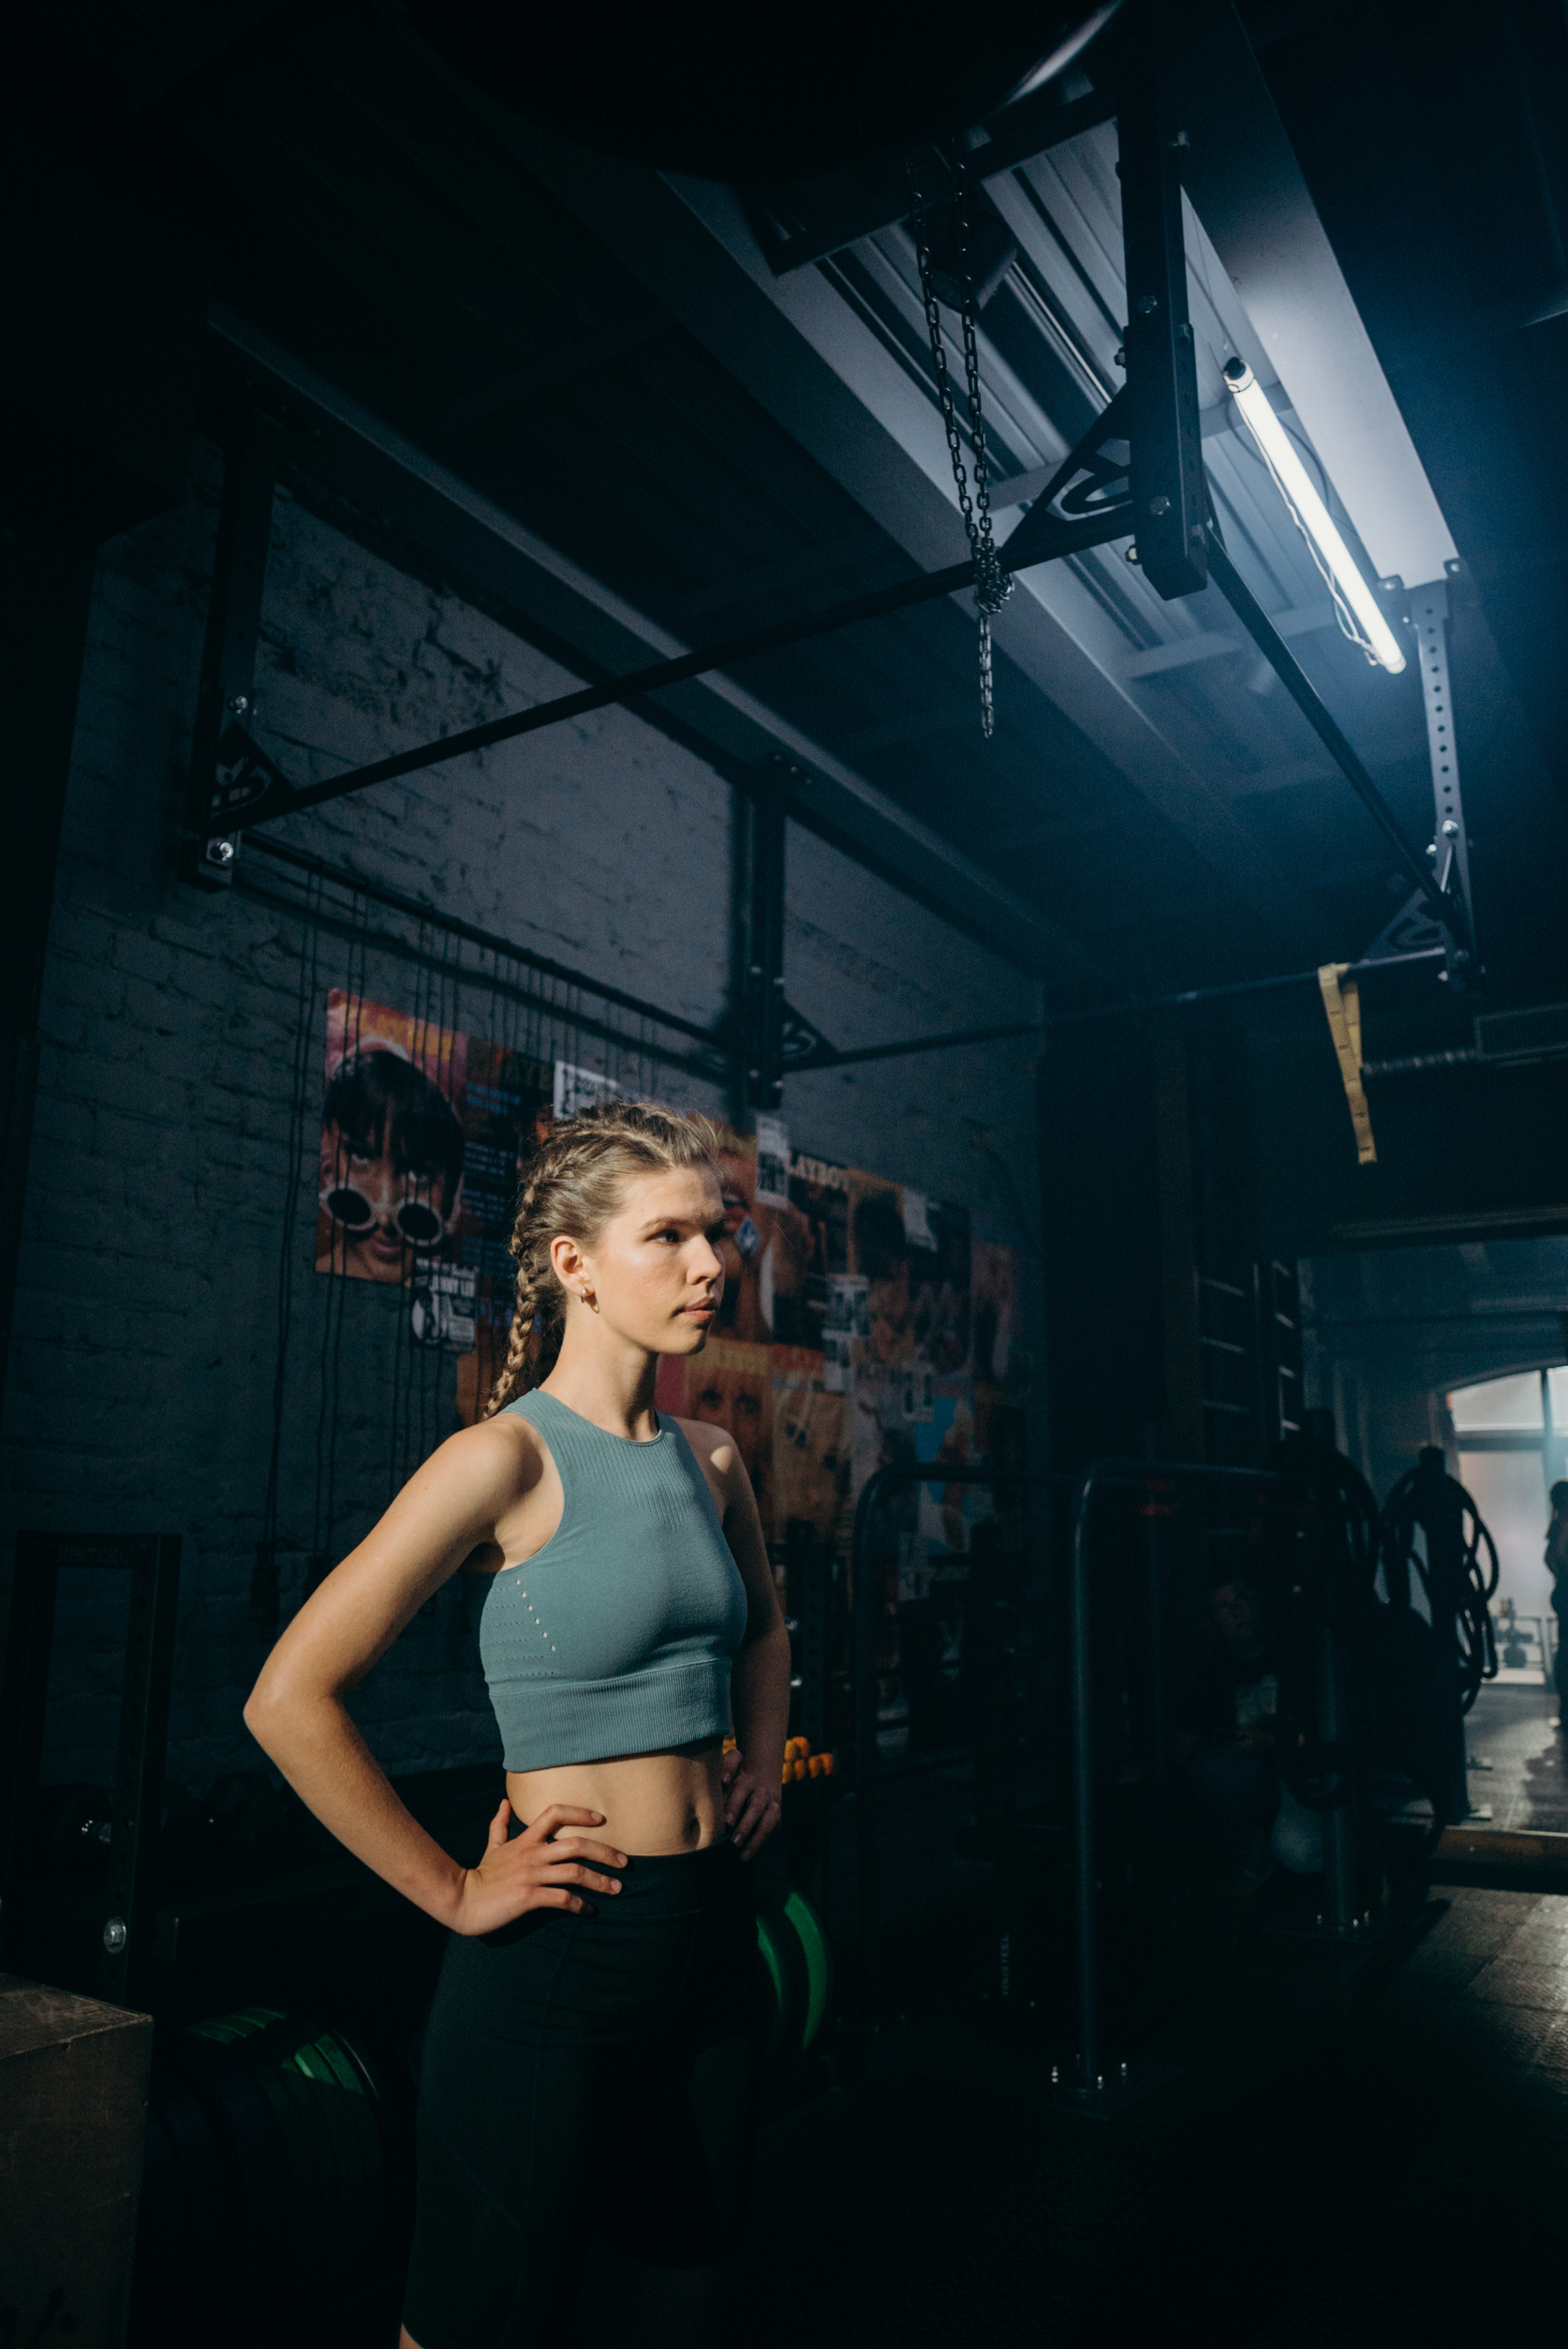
<point x="574" y="1184"/>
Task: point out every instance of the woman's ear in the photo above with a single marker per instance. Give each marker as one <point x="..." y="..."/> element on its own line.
<point x="566" y="1258"/>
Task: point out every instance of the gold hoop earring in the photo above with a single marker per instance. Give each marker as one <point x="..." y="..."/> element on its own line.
<point x="590" y="1299"/>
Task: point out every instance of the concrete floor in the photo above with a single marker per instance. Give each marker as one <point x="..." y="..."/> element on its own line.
<point x="1516" y="1730"/>
<point x="1335" y="2152"/>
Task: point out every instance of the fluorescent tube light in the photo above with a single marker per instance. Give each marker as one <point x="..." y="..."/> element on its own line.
<point x="1295" y="487"/>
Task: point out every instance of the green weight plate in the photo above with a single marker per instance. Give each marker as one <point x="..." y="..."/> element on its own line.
<point x="772" y="1941"/>
<point x="808" y="1931"/>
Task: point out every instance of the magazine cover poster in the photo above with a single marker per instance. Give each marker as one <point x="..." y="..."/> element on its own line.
<point x="391" y="1194"/>
<point x="811" y="1445"/>
<point x="996" y="1303"/>
<point x="939" y="1282"/>
<point x="812" y="1244"/>
<point x="947" y="1511"/>
<point x="747" y="1248"/>
<point x="730" y="1386"/>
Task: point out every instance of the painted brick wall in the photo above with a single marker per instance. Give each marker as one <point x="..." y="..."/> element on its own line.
<point x="140" y="1386"/>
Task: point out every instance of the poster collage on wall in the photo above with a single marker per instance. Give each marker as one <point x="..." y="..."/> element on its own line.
<point x="863" y="1323"/>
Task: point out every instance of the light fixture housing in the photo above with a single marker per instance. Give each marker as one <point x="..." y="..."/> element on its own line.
<point x="1279" y="454"/>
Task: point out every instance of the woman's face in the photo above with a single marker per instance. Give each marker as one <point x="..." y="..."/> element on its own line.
<point x="655" y="1271"/>
<point x="370" y="1180"/>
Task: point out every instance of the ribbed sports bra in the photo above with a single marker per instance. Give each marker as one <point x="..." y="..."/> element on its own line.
<point x="617" y="1636"/>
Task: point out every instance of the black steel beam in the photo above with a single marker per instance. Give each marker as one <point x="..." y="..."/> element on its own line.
<point x="262" y="792"/>
<point x="228" y="685"/>
<point x="1304" y="693"/>
<point x="1170" y="493"/>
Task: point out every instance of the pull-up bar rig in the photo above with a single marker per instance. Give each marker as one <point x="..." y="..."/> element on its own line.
<point x="1139" y="468"/>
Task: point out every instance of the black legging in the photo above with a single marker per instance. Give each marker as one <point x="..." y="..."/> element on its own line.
<point x="583" y="2075"/>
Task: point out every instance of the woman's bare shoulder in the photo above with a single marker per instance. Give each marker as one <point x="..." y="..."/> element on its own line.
<point x="506" y="1454"/>
<point x="715" y="1446"/>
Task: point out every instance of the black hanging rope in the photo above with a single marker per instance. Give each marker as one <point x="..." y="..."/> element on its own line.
<point x="264" y="1581"/>
<point x="1429" y="1501"/>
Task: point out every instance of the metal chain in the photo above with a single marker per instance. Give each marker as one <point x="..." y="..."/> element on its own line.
<point x="992" y="585"/>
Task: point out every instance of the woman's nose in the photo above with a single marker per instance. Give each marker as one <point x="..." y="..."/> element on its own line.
<point x="708" y="1264"/>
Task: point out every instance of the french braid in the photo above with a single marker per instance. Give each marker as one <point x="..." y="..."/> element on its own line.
<point x="573" y="1184"/>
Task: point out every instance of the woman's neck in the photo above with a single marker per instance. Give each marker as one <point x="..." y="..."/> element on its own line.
<point x="607" y="1382"/>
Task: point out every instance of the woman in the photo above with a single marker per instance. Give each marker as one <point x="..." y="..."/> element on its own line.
<point x="589" y="2065"/>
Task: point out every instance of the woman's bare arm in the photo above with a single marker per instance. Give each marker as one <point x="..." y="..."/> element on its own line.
<point x="760" y="1682"/>
<point x="296" y="1712"/>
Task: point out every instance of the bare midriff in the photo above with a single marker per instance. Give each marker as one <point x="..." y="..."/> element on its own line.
<point x="652" y="1803"/>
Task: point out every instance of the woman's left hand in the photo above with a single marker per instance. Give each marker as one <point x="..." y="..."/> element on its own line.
<point x="751" y="1803"/>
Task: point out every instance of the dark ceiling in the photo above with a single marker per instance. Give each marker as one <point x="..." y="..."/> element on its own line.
<point x="364" y="209"/>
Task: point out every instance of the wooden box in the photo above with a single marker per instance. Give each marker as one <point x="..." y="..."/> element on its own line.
<point x="73" y="2116"/>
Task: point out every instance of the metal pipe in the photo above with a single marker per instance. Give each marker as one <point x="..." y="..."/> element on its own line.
<point x="828" y="1058"/>
<point x="1085" y="1922"/>
<point x="1156" y="1509"/>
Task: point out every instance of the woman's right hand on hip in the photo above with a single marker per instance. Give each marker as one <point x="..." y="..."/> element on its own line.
<point x="540" y="1868"/>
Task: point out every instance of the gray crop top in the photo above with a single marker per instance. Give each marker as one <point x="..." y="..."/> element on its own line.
<point x="617" y="1636"/>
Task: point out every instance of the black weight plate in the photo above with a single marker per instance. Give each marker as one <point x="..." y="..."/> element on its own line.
<point x="316" y="2076"/>
<point x="302" y="2256"/>
<point x="273" y="2050"/>
<point x="328" y="2147"/>
<point x="163" y="2228"/>
<point x="354" y="2102"/>
<point x="311" y="2077"/>
<point x="391" y="2091"/>
<point x="243" y="2119"/>
<point x="206" y="2195"/>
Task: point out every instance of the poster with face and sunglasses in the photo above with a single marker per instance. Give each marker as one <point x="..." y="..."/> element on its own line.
<point x="424" y="1132"/>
